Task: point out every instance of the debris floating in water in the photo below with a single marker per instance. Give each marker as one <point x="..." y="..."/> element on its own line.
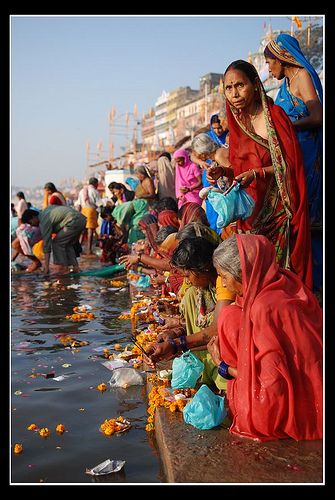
<point x="106" y="467"/>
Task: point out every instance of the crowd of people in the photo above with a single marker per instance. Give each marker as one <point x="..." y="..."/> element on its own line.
<point x="250" y="292"/>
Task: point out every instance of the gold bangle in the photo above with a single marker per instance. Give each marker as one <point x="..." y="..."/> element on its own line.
<point x="254" y="172"/>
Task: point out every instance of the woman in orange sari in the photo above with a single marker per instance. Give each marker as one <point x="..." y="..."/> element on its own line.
<point x="266" y="159"/>
<point x="269" y="345"/>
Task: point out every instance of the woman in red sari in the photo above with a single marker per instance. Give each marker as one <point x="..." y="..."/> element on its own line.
<point x="269" y="345"/>
<point x="266" y="158"/>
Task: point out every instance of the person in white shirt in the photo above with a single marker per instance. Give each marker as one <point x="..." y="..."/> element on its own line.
<point x="21" y="206"/>
<point x="89" y="201"/>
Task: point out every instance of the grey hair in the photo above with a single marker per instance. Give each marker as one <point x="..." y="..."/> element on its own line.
<point x="142" y="169"/>
<point x="226" y="257"/>
<point x="203" y="144"/>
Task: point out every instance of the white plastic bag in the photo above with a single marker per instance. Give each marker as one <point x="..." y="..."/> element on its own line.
<point x="124" y="377"/>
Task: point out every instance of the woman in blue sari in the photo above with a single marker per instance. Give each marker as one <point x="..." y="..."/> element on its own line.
<point x="219" y="136"/>
<point x="301" y="97"/>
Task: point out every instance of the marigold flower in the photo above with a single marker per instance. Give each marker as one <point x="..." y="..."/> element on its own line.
<point x="102" y="387"/>
<point x="32" y="427"/>
<point x="18" y="448"/>
<point x="117" y="347"/>
<point x="60" y="428"/>
<point x="44" y="432"/>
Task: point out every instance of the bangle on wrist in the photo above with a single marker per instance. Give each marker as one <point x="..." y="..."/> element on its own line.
<point x="174" y="345"/>
<point x="182" y="343"/>
<point x="223" y="371"/>
<point x="255" y="173"/>
<point x="264" y="172"/>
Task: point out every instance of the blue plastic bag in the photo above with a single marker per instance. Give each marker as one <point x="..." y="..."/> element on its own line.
<point x="233" y="204"/>
<point x="206" y="410"/>
<point x="186" y="370"/>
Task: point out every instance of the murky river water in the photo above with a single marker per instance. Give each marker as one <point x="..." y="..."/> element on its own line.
<point x="37" y="317"/>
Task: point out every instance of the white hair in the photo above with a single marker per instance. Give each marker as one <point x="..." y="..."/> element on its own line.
<point x="203" y="144"/>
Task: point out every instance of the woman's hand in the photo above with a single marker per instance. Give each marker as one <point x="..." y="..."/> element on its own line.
<point x="246" y="178"/>
<point x="158" y="352"/>
<point x="184" y="189"/>
<point x="129" y="260"/>
<point x="213" y="173"/>
<point x="170" y="322"/>
<point x="157" y="279"/>
<point x="165" y="336"/>
<point x="213" y="348"/>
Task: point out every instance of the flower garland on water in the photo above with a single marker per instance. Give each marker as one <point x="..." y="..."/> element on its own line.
<point x="114" y="425"/>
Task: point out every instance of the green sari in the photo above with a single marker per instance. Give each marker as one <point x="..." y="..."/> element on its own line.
<point x="128" y="215"/>
<point x="197" y="308"/>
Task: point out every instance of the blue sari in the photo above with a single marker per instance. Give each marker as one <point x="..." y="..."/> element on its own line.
<point x="311" y="145"/>
<point x="211" y="214"/>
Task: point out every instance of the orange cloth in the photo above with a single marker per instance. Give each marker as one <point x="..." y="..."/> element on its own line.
<point x="92" y="217"/>
<point x="222" y="293"/>
<point x="38" y="250"/>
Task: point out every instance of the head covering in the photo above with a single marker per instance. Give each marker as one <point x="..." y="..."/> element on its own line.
<point x="218" y="139"/>
<point x="148" y="223"/>
<point x="286" y="48"/>
<point x="168" y="218"/>
<point x="273" y="336"/>
<point x="192" y="212"/>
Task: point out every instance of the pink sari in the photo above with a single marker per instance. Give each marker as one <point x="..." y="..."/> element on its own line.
<point x="187" y="176"/>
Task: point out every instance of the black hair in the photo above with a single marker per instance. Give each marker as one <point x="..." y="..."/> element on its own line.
<point x="193" y="230"/>
<point x="167" y="203"/>
<point x="28" y="214"/>
<point x="163" y="233"/>
<point x="215" y="119"/>
<point x="248" y="69"/>
<point x="116" y="185"/>
<point x="20" y="194"/>
<point x="194" y="254"/>
<point x="104" y="211"/>
<point x="28" y="204"/>
<point x="166" y="154"/>
<point x="50" y="187"/>
<point x="93" y="181"/>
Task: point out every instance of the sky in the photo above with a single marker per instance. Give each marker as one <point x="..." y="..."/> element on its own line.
<point x="68" y="72"/>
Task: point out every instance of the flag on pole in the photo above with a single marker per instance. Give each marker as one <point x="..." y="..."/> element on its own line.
<point x="297" y="21"/>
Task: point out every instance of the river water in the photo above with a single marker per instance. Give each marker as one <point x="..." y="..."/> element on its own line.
<point x="37" y="317"/>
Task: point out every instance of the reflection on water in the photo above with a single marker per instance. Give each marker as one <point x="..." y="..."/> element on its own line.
<point x="52" y="384"/>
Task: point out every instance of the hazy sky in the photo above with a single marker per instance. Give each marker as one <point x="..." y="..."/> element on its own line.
<point x="68" y="72"/>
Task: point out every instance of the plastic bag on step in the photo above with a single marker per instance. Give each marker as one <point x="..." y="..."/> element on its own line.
<point x="206" y="410"/>
<point x="124" y="377"/>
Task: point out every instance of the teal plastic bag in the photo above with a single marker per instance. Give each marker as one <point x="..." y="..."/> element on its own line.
<point x="235" y="203"/>
<point x="206" y="410"/>
<point x="186" y="370"/>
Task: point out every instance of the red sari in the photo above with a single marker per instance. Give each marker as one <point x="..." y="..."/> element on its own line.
<point x="281" y="210"/>
<point x="273" y="335"/>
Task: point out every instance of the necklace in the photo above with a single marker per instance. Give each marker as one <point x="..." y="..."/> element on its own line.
<point x="295" y="74"/>
<point x="252" y="117"/>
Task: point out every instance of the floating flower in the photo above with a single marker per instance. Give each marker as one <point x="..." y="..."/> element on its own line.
<point x="102" y="387"/>
<point x="18" y="448"/>
<point x="117" y="347"/>
<point x="44" y="432"/>
<point x="60" y="428"/>
<point x="32" y="427"/>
